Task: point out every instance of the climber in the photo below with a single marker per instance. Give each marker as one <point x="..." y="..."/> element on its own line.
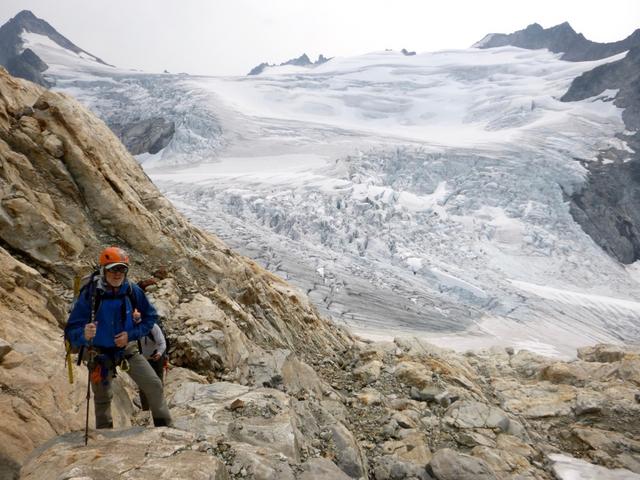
<point x="101" y="323"/>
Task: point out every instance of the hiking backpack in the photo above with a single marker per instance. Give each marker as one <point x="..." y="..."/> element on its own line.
<point x="87" y="287"/>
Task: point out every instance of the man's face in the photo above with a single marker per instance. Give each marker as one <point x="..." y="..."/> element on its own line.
<point x="116" y="275"/>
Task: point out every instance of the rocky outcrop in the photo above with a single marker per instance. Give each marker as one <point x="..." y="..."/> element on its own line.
<point x="513" y="415"/>
<point x="301" y="61"/>
<point x="150" y="135"/>
<point x="560" y="39"/>
<point x="605" y="207"/>
<point x="29" y="66"/>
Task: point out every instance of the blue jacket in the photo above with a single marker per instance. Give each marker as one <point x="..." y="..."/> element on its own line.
<point x="109" y="317"/>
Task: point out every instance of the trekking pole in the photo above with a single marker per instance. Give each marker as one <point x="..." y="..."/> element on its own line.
<point x="86" y="419"/>
<point x="165" y="369"/>
<point x="91" y="354"/>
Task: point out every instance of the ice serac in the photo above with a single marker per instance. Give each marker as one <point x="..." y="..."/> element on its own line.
<point x="561" y="38"/>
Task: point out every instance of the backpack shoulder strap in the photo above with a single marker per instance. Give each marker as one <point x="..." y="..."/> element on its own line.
<point x="132" y="297"/>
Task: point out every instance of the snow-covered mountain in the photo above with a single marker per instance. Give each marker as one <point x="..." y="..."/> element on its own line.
<point x="428" y="193"/>
<point x="31" y="48"/>
<point x="21" y="60"/>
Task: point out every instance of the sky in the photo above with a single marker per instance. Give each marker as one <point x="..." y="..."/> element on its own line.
<point x="229" y="37"/>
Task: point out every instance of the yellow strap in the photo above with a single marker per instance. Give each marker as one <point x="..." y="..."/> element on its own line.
<point x="76" y="286"/>
<point x="69" y="363"/>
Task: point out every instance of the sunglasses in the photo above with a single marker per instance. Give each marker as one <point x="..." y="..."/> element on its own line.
<point x="118" y="269"/>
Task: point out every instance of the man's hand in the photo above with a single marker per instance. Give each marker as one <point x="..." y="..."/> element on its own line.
<point x="137" y="317"/>
<point x="155" y="357"/>
<point x="121" y="339"/>
<point x="90" y="331"/>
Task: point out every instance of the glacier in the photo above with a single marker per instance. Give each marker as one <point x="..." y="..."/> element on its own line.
<point x="423" y="195"/>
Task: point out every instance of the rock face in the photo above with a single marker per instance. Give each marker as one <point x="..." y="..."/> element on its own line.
<point x="26" y="64"/>
<point x="606" y="205"/>
<point x="150" y="135"/>
<point x="560" y="39"/>
<point x="263" y="388"/>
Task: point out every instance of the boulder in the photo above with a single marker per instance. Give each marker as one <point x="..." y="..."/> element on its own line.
<point x="349" y="457"/>
<point x="369" y="372"/>
<point x="413" y="374"/>
<point x="448" y="464"/>
<point x="470" y="414"/>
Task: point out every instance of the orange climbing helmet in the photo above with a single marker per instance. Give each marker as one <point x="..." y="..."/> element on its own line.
<point x="113" y="256"/>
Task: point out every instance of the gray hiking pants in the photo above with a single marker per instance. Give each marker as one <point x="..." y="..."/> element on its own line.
<point x="148" y="382"/>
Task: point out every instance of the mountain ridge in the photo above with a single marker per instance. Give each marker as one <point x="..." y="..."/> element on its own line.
<point x="301" y="61"/>
<point x="561" y="38"/>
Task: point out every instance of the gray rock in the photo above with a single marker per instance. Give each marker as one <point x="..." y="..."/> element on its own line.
<point x="348" y="455"/>
<point x="587" y="403"/>
<point x="448" y="464"/>
<point x="471" y="414"/>
<point x="260" y="464"/>
<point x="392" y="468"/>
<point x="321" y="469"/>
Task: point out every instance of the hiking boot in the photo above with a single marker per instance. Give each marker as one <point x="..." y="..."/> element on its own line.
<point x="162" y="422"/>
